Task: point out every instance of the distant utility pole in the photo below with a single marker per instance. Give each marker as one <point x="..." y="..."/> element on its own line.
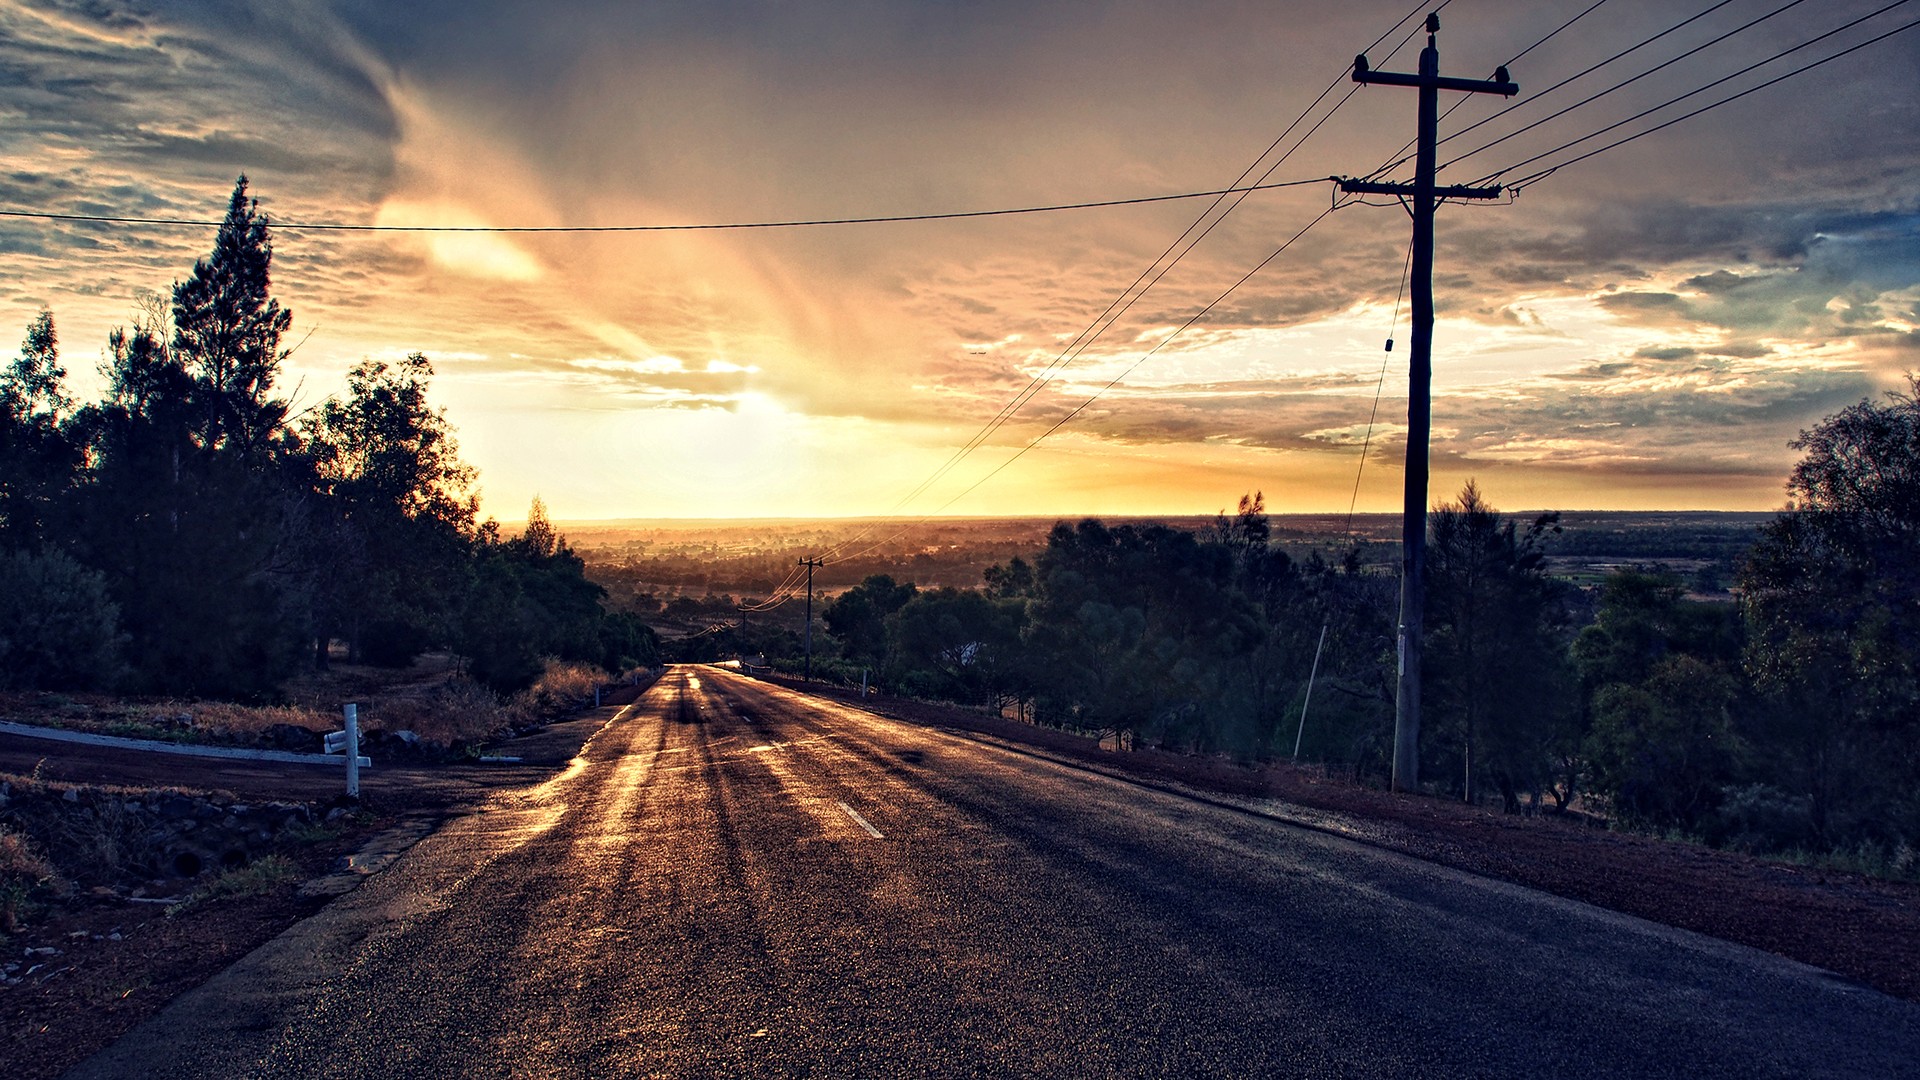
<point x="1413" y="529"/>
<point x="810" y="564"/>
<point x="743" y="633"/>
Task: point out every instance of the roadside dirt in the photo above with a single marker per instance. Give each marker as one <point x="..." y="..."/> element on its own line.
<point x="98" y="986"/>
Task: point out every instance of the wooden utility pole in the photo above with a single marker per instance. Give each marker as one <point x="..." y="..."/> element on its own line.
<point x="1413" y="530"/>
<point x="810" y="564"/>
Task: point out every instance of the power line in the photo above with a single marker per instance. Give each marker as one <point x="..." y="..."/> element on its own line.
<point x="1704" y="108"/>
<point x="1111" y="383"/>
<point x="1406" y="267"/>
<point x="1622" y="84"/>
<point x="1135" y="290"/>
<point x="1531" y="98"/>
<point x="1400" y="154"/>
<point x="316" y="226"/>
<point x="1115" y="381"/>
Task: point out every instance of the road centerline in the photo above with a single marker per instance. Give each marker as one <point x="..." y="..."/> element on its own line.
<point x="860" y="821"/>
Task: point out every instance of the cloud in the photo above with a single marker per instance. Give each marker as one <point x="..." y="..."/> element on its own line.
<point x="1685" y="303"/>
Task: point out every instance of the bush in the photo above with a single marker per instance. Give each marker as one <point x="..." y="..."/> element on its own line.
<point x="393" y="643"/>
<point x="561" y="688"/>
<point x="457" y="711"/>
<point x="257" y="878"/>
<point x="58" y="629"/>
<point x="1761" y="819"/>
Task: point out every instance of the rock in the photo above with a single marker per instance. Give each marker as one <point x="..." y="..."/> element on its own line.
<point x="71" y="794"/>
<point x="176" y="807"/>
<point x="289" y="737"/>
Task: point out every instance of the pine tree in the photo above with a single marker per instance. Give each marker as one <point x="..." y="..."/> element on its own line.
<point x="227" y="330"/>
<point x="39" y="462"/>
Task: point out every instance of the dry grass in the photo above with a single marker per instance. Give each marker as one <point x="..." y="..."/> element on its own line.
<point x="456" y="711"/>
<point x="432" y="699"/>
<point x="561" y="688"/>
<point x="222" y="718"/>
<point x="23" y="872"/>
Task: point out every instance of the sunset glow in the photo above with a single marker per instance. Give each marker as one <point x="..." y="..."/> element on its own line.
<point x="1646" y="329"/>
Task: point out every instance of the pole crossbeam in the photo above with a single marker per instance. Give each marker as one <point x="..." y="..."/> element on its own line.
<point x="1424" y="196"/>
<point x="1456" y="191"/>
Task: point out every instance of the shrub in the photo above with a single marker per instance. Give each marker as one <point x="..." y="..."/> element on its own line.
<point x="393" y="643"/>
<point x="1760" y="819"/>
<point x="561" y="688"/>
<point x="258" y="877"/>
<point x="58" y="629"/>
<point x="457" y="711"/>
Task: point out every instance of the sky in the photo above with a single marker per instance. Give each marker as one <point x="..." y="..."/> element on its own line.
<point x="1646" y="329"/>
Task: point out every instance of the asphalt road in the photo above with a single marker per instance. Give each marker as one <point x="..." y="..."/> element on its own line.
<point x="734" y="879"/>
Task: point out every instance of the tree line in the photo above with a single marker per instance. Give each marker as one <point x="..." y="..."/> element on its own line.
<point x="1787" y="719"/>
<point x="187" y="534"/>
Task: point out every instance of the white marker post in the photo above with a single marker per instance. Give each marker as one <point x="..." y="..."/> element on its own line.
<point x="863" y="684"/>
<point x="353" y="750"/>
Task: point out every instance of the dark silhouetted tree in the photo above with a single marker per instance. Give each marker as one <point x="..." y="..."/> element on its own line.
<point x="227" y="330"/>
<point x="857" y="619"/>
<point x="1831" y="593"/>
<point x="40" y="459"/>
<point x="1496" y="681"/>
<point x="398" y="513"/>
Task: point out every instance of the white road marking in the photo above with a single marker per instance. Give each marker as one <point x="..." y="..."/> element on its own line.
<point x="860" y="821"/>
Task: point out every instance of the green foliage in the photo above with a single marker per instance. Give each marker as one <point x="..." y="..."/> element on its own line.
<point x="857" y="618"/>
<point x="58" y="628"/>
<point x="627" y="642"/>
<point x="528" y="599"/>
<point x="257" y="878"/>
<point x="397" y="516"/>
<point x="1831" y="594"/>
<point x="190" y="508"/>
<point x="1496" y="688"/>
<point x="969" y="643"/>
<point x="1663" y="747"/>
<point x="1142" y="629"/>
<point x="1661" y="680"/>
<point x="227" y="330"/>
<point x="234" y="544"/>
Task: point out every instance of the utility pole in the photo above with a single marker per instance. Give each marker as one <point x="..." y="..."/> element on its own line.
<point x="810" y="564"/>
<point x="742" y="657"/>
<point x="1413" y="530"/>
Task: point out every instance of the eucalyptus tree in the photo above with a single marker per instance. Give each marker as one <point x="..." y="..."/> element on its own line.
<point x="1831" y="594"/>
